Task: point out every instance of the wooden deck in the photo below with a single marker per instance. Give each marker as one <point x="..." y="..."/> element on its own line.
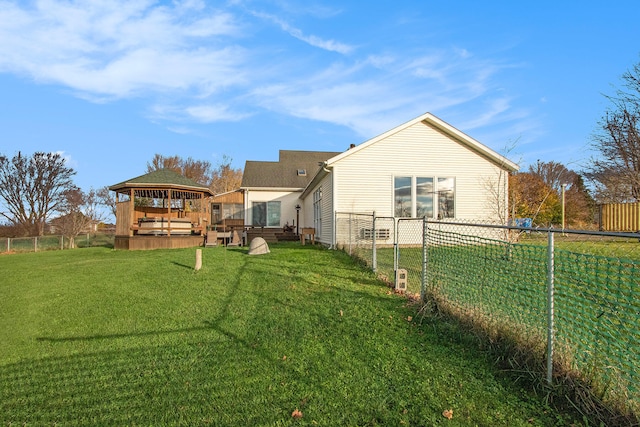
<point x="271" y="235"/>
<point x="157" y="242"/>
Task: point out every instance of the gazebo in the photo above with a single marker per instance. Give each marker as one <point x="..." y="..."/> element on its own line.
<point x="161" y="209"/>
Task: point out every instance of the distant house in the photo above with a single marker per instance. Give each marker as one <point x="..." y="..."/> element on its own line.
<point x="60" y="224"/>
<point x="424" y="167"/>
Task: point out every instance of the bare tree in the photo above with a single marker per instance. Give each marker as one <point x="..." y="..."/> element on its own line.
<point x="615" y="173"/>
<point x="80" y="213"/>
<point x="107" y="199"/>
<point x="553" y="174"/>
<point x="225" y="178"/>
<point x="33" y="188"/>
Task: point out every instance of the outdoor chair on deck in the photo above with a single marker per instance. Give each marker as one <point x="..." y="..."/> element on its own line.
<point x="234" y="240"/>
<point x="212" y="238"/>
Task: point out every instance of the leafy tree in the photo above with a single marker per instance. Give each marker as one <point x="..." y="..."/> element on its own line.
<point x="225" y="178"/>
<point x="615" y="173"/>
<point x="33" y="188"/>
<point x="579" y="205"/>
<point x="533" y="198"/>
<point x="196" y="170"/>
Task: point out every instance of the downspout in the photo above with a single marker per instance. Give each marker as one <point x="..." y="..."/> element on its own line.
<point x="334" y="218"/>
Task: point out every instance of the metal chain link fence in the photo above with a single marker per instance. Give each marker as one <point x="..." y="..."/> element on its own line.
<point x="53" y="242"/>
<point x="572" y="294"/>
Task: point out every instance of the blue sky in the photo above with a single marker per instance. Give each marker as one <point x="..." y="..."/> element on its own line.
<point x="110" y="83"/>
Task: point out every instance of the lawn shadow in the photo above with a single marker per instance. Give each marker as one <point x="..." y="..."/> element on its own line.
<point x="179" y="264"/>
<point x="122" y="335"/>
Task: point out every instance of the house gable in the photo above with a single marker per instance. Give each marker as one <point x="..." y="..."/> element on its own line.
<point x="439" y="125"/>
<point x="362" y="178"/>
<point x="293" y="171"/>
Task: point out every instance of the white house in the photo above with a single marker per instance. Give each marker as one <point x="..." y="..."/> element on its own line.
<point x="424" y="167"/>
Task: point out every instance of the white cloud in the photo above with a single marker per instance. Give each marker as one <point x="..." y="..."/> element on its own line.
<point x="382" y="91"/>
<point x="195" y="64"/>
<point x="200" y="113"/>
<point x="69" y="161"/>
<point x="120" y="48"/>
<point x="213" y="113"/>
<point x="329" y="45"/>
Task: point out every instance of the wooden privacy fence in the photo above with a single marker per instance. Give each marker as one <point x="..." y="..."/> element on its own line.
<point x="620" y="217"/>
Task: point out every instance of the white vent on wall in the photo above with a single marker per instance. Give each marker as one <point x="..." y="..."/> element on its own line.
<point x="302" y="172"/>
<point x="381" y="233"/>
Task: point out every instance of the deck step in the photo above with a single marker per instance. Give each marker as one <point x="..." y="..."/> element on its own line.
<point x="271" y="235"/>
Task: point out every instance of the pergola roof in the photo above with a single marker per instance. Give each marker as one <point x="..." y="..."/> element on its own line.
<point x="158" y="183"/>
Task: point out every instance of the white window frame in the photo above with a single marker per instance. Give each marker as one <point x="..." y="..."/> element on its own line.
<point x="437" y="200"/>
<point x="317" y="211"/>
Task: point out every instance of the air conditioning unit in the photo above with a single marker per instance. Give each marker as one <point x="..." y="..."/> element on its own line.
<point x="401" y="279"/>
<point x="379" y="233"/>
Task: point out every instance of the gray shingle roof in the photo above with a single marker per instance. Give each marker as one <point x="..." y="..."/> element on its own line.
<point x="284" y="173"/>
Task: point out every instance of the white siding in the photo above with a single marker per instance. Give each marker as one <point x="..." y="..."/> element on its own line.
<point x="364" y="180"/>
<point x="326" y="236"/>
<point x="287" y="199"/>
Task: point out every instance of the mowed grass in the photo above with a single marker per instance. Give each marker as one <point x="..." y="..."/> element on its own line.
<point x="102" y="337"/>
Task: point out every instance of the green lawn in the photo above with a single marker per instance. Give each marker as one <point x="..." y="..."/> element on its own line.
<point x="101" y="337"/>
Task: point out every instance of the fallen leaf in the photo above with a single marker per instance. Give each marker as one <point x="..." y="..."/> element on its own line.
<point x="284" y="357"/>
<point x="341" y="313"/>
<point x="409" y="318"/>
<point x="296" y="414"/>
<point x="447" y="413"/>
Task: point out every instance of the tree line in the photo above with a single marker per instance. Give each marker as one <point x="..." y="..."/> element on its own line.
<point x="38" y="190"/>
<point x="35" y="189"/>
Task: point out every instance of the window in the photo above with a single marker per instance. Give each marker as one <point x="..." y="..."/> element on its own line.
<point x="266" y="214"/>
<point x="317" y="210"/>
<point x="222" y="211"/>
<point x="232" y="211"/>
<point x="446" y="201"/>
<point x="215" y="213"/>
<point x="302" y="172"/>
<point x="424" y="197"/>
<point x="414" y="197"/>
<point x="402" y="196"/>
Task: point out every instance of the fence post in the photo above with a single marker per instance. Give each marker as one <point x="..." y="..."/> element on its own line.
<point x="423" y="284"/>
<point x="350" y="222"/>
<point x="374" y="258"/>
<point x="334" y="244"/>
<point x="35" y="244"/>
<point x="395" y="246"/>
<point x="550" y="314"/>
<point x="8" y="244"/>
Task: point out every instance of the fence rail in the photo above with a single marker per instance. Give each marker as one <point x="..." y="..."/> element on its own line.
<point x="52" y="242"/>
<point x="573" y="295"/>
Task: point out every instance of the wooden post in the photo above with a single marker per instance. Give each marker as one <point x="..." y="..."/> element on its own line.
<point x="169" y="214"/>
<point x="198" y="259"/>
<point x="132" y="212"/>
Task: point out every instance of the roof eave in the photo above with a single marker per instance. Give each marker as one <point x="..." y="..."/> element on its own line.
<point x="134" y="185"/>
<point x="432" y="120"/>
<point x="319" y="176"/>
<point x="289" y="189"/>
